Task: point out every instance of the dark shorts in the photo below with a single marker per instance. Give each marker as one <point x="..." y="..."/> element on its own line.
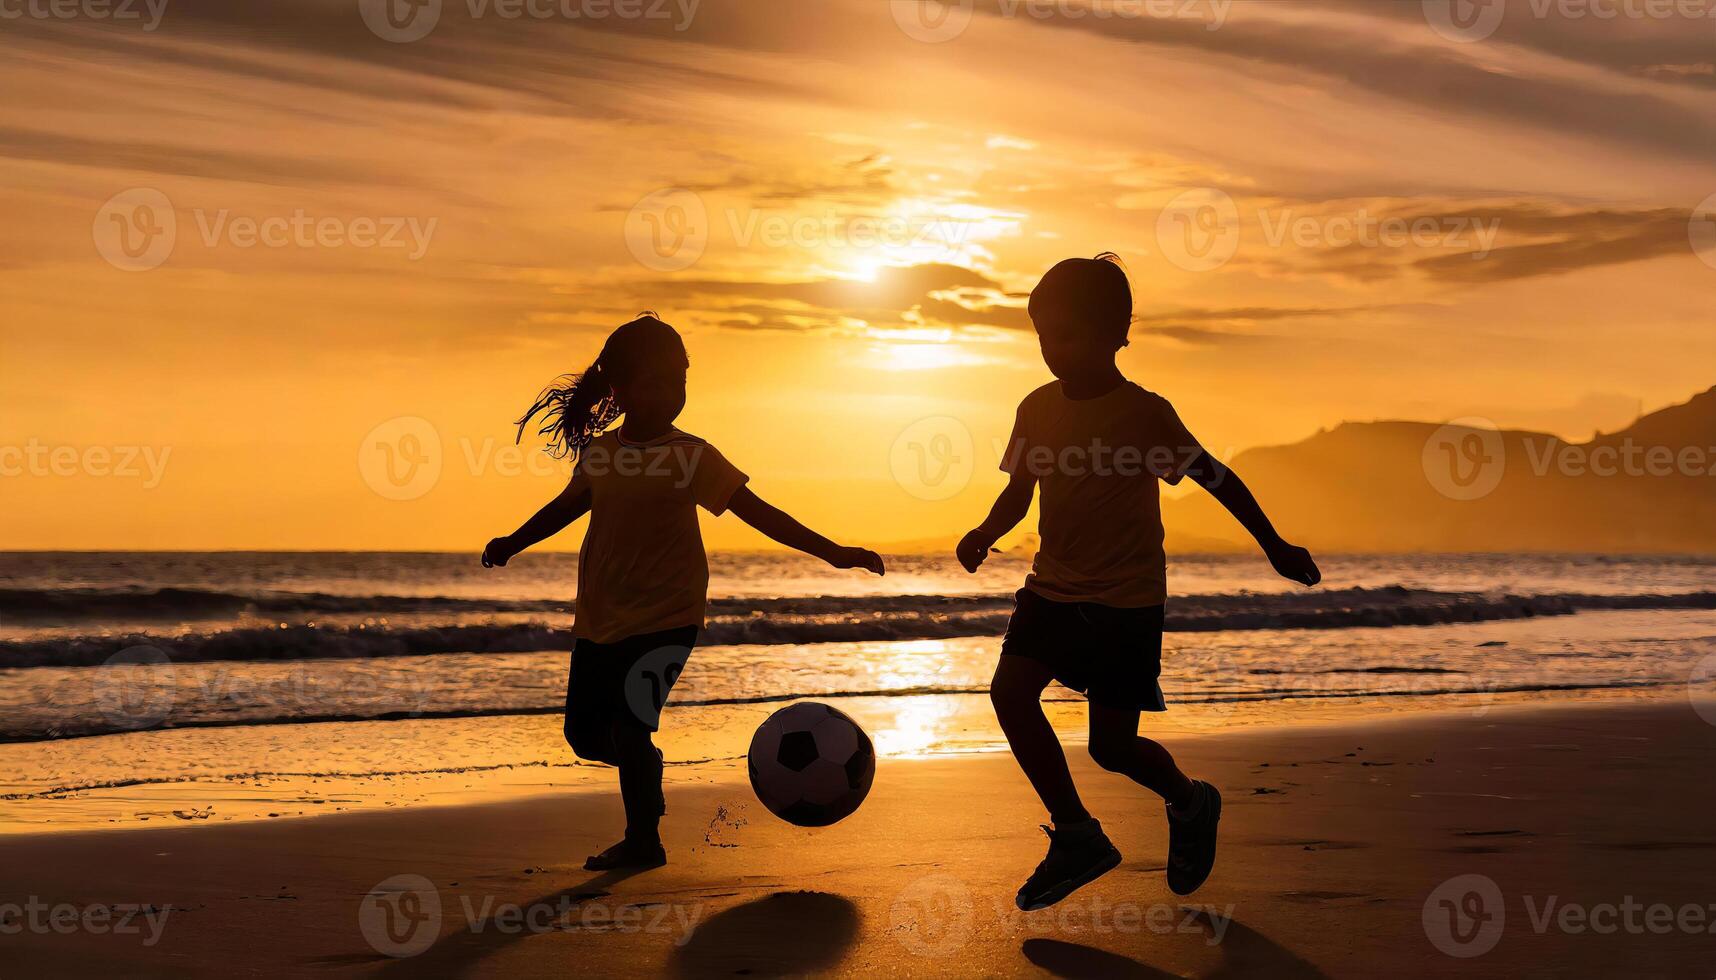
<point x="624" y="682"/>
<point x="1111" y="655"/>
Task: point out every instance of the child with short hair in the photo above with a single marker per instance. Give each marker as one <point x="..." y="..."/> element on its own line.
<point x="1091" y="613"/>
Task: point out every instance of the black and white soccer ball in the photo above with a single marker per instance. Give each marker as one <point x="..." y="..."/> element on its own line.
<point x="811" y="765"/>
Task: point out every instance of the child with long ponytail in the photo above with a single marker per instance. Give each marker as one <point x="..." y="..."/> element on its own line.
<point x="643" y="576"/>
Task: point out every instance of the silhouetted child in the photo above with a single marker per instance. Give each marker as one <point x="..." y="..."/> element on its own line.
<point x="643" y="576"/>
<point x="1091" y="612"/>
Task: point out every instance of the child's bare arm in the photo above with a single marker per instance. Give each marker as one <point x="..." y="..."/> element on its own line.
<point x="1009" y="509"/>
<point x="785" y="529"/>
<point x="1291" y="561"/>
<point x="572" y="503"/>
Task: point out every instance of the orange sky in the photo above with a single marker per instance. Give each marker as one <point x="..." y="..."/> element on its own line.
<point x="848" y="218"/>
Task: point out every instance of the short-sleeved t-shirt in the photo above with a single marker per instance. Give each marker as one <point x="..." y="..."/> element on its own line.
<point x="1097" y="462"/>
<point x="642" y="567"/>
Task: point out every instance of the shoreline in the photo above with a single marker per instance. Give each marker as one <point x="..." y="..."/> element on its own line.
<point x="1335" y="839"/>
<point x="702" y="744"/>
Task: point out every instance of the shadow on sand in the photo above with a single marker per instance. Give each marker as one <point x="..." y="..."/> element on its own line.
<point x="455" y="953"/>
<point x="787" y="933"/>
<point x="1245" y="953"/>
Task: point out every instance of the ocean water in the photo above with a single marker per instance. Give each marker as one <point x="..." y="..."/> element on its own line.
<point x="137" y="684"/>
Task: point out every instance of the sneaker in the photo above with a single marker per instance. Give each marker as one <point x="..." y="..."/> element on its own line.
<point x="1073" y="861"/>
<point x="628" y="853"/>
<point x="1192" y="841"/>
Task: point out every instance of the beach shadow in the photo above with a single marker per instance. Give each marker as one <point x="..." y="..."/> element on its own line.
<point x="1075" y="961"/>
<point x="455" y="953"/>
<point x="1248" y="953"/>
<point x="1245" y="952"/>
<point x="784" y="934"/>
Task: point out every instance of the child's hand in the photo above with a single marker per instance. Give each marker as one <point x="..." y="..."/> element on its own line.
<point x="974" y="548"/>
<point x="1294" y="562"/>
<point x="858" y="558"/>
<point x="499" y="552"/>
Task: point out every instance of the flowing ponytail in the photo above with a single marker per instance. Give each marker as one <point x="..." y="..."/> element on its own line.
<point x="579" y="407"/>
<point x="575" y="409"/>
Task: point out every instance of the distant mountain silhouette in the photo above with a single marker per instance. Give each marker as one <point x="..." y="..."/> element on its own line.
<point x="1395" y="486"/>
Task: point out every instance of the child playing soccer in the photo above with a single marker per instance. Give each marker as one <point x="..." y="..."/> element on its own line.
<point x="1090" y="615"/>
<point x="642" y="572"/>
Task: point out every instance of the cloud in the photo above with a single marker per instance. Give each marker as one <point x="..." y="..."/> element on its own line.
<point x="1450" y="242"/>
<point x="1361" y="46"/>
<point x="160" y="158"/>
<point x="931" y="294"/>
<point x="1576" y="240"/>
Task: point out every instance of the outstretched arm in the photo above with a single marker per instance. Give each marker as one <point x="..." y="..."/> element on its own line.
<point x="1291" y="561"/>
<point x="1009" y="509"/>
<point x="572" y="503"/>
<point x="785" y="529"/>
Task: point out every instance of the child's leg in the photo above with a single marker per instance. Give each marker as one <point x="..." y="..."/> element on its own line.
<point x="640" y="780"/>
<point x="1116" y="746"/>
<point x="1017" y="692"/>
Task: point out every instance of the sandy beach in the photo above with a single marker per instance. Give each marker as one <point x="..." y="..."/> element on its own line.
<point x="1587" y="826"/>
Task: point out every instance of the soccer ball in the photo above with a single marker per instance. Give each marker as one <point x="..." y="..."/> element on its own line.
<point x="811" y="765"/>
